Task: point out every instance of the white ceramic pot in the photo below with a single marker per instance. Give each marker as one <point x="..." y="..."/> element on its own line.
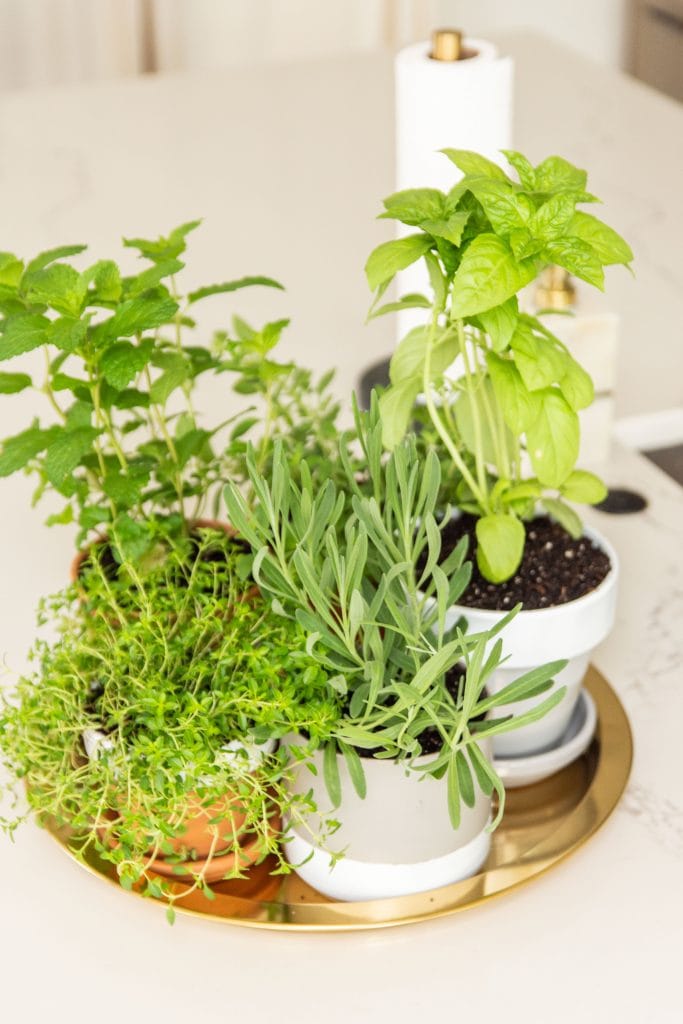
<point x="397" y="841"/>
<point x="571" y="631"/>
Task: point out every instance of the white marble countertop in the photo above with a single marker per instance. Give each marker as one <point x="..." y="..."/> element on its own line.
<point x="287" y="166"/>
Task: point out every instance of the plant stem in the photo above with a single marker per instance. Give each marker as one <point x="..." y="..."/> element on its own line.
<point x="437" y="421"/>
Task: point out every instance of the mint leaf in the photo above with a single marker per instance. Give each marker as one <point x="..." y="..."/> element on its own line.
<point x="135" y="316"/>
<point x="22" y="333"/>
<point x="68" y="333"/>
<point x="43" y="259"/>
<point x="488" y="275"/>
<point x="176" y="370"/>
<point x="553" y="439"/>
<point x="17" y="451"/>
<point x="12" y="383"/>
<point x="414" y="205"/>
<point x="57" y="285"/>
<point x="11" y="269"/>
<point x="168" y="248"/>
<point x="106" y="279"/>
<point x="390" y="257"/>
<point x="151" y="277"/>
<point x="122" y="362"/>
<point x="66" y="451"/>
<point x="233" y="286"/>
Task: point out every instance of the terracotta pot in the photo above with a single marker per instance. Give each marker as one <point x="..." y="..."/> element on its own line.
<point x="80" y="556"/>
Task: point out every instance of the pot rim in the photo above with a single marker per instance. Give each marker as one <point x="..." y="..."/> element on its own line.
<point x="101" y="538"/>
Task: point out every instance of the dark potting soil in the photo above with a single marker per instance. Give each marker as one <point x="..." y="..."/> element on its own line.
<point x="555" y="567"/>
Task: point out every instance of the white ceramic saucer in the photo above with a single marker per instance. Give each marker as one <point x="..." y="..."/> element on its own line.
<point x="525" y="771"/>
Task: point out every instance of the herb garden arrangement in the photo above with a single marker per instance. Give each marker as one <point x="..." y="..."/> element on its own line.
<point x="320" y="679"/>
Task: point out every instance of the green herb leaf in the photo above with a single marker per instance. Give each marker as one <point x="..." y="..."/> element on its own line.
<point x="22" y="333"/>
<point x="17" y="451"/>
<point x="609" y="246"/>
<point x="68" y="333"/>
<point x="122" y="362"/>
<point x="233" y="286"/>
<point x="527" y="174"/>
<point x="50" y="255"/>
<point x="518" y="405"/>
<point x="57" y="285"/>
<point x="576" y="385"/>
<point x="390" y="257"/>
<point x="396" y="410"/>
<point x="507" y="209"/>
<point x="578" y="257"/>
<point x="137" y="315"/>
<point x="414" y="205"/>
<point x="168" y="248"/>
<point x="473" y="163"/>
<point x="500" y="323"/>
<point x="487" y="276"/>
<point x="331" y="773"/>
<point x="66" y="451"/>
<point x="176" y="370"/>
<point x="553" y="439"/>
<point x="355" y="769"/>
<point x="552" y="219"/>
<point x="583" y="487"/>
<point x="557" y="173"/>
<point x="450" y="228"/>
<point x="12" y="383"/>
<point x="411" y="301"/>
<point x="453" y="791"/>
<point x="500" y="546"/>
<point x="539" y="361"/>
<point x="564" y="515"/>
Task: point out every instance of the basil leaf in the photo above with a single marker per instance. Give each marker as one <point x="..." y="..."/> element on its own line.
<point x="584" y="487"/>
<point x="387" y="259"/>
<point x="414" y="205"/>
<point x="396" y="410"/>
<point x="13" y="383"/>
<point x="578" y="257"/>
<point x="518" y="405"/>
<point x="609" y="246"/>
<point x="500" y="322"/>
<point x="564" y="515"/>
<point x="488" y="275"/>
<point x="553" y="439"/>
<point x="576" y="385"/>
<point x="470" y="162"/>
<point x="500" y="546"/>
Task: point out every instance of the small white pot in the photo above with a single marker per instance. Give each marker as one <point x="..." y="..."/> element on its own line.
<point x="397" y="841"/>
<point x="572" y="630"/>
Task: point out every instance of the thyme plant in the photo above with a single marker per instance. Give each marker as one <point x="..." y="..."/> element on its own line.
<point x="169" y="682"/>
<point x="497" y="384"/>
<point x="375" y="620"/>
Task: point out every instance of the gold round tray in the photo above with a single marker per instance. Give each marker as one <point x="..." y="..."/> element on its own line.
<point x="542" y="825"/>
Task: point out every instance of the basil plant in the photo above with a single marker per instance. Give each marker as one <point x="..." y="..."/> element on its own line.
<point x="496" y="382"/>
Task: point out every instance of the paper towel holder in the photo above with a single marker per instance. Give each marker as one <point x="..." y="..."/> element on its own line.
<point x="447" y="46"/>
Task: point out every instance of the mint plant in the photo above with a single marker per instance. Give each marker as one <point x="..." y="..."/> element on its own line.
<point x="123" y="442"/>
<point x="372" y="596"/>
<point x="497" y="384"/>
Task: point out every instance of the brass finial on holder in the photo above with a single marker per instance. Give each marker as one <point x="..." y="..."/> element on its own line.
<point x="446" y="44"/>
<point x="555" y="289"/>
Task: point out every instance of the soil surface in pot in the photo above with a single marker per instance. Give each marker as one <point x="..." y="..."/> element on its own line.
<point x="555" y="567"/>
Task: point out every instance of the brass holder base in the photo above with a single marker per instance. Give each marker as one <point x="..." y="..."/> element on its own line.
<point x="542" y="825"/>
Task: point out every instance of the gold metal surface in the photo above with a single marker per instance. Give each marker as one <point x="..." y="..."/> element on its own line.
<point x="555" y="289"/>
<point x="446" y="44"/>
<point x="542" y="825"/>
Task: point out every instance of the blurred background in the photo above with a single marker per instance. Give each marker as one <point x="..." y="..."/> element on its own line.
<point x="53" y="42"/>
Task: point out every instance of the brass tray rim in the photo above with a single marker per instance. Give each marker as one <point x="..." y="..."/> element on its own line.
<point x="609" y="781"/>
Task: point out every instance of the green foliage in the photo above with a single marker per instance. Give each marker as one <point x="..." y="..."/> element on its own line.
<point x="369" y="590"/>
<point x="151" y="704"/>
<point x="122" y="439"/>
<point x="518" y="390"/>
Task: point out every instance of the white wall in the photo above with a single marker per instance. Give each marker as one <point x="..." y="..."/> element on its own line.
<point x="597" y="28"/>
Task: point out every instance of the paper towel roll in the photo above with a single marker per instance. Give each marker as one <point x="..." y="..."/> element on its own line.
<point x="463" y="104"/>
